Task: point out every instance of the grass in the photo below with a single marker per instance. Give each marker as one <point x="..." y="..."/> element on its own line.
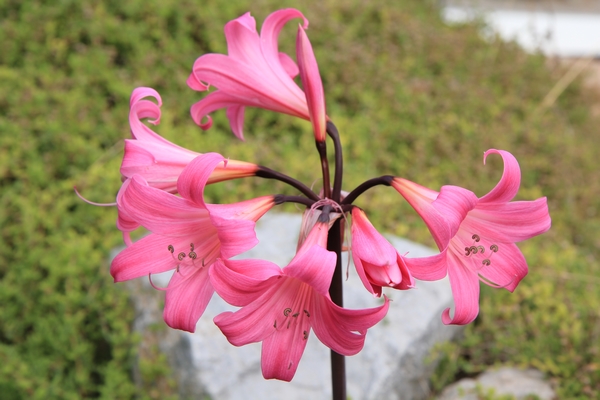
<point x="410" y="96"/>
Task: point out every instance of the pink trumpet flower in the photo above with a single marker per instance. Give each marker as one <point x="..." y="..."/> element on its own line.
<point x="253" y="73"/>
<point x="156" y="159"/>
<point x="188" y="235"/>
<point x="476" y="237"/>
<point x="376" y="260"/>
<point x="280" y="306"/>
<point x="159" y="161"/>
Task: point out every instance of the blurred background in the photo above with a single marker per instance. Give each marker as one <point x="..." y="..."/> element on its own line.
<point x="418" y="89"/>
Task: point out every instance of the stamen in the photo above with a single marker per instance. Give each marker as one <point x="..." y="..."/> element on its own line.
<point x="153" y="285"/>
<point x="91" y="202"/>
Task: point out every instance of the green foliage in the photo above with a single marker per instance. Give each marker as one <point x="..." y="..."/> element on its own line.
<point x="410" y="96"/>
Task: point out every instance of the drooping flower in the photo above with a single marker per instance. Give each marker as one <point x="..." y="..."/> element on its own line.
<point x="253" y="73"/>
<point x="476" y="237"/>
<point x="281" y="306"/>
<point x="376" y="260"/>
<point x="188" y="235"/>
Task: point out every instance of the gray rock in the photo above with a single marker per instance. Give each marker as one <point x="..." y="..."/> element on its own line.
<point x="391" y="365"/>
<point x="520" y="384"/>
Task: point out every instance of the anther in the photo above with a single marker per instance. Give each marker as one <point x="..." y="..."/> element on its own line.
<point x="192" y="247"/>
<point x="275" y="324"/>
<point x="494" y="248"/>
<point x="287" y="311"/>
<point x="476" y="238"/>
<point x="486" y="262"/>
<point x="307" y="313"/>
<point x="171" y="249"/>
<point x="192" y="255"/>
<point x="481" y="249"/>
<point x="305" y="335"/>
<point x="296" y="315"/>
<point x="181" y="256"/>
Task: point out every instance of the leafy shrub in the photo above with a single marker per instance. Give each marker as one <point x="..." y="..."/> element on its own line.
<point x="411" y="97"/>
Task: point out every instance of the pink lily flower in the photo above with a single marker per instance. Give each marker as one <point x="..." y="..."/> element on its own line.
<point x="312" y="84"/>
<point x="156" y="159"/>
<point x="476" y="237"/>
<point x="188" y="235"/>
<point x="280" y="306"/>
<point x="376" y="260"/>
<point x="253" y="74"/>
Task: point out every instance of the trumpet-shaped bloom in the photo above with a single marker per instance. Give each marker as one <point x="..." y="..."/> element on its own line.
<point x="476" y="237"/>
<point x="188" y="235"/>
<point x="253" y="73"/>
<point x="376" y="260"/>
<point x="281" y="306"/>
<point x="156" y="159"/>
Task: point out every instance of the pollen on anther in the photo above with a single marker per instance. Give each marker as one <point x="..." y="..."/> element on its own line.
<point x="494" y="248"/>
<point x="192" y="255"/>
<point x="287" y="311"/>
<point x="181" y="256"/>
<point x="171" y="248"/>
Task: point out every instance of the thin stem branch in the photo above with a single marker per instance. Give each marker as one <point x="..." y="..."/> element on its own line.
<point x="322" y="149"/>
<point x="339" y="161"/>
<point x="268" y="173"/>
<point x="281" y="198"/>
<point x="363" y="187"/>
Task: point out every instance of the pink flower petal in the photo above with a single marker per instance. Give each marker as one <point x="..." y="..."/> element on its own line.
<point x="507" y="267"/>
<point x="240" y="282"/>
<point x="195" y="176"/>
<point x="512" y="222"/>
<point x="281" y="351"/>
<point x="341" y="329"/>
<point x="161" y="212"/>
<point x="465" y="289"/>
<point x="149" y="255"/>
<point x="235" y="115"/>
<point x="508" y="186"/>
<point x="186" y="299"/>
<point x="314" y="267"/>
<point x="432" y="268"/>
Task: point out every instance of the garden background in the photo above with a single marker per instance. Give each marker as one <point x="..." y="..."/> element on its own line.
<point x="411" y="97"/>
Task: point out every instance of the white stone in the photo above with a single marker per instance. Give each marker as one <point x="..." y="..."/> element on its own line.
<point x="521" y="384"/>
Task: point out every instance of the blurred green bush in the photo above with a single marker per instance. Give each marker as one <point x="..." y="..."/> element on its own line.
<point x="410" y="96"/>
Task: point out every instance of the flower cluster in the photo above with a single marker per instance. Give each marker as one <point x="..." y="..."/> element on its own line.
<point x="163" y="191"/>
